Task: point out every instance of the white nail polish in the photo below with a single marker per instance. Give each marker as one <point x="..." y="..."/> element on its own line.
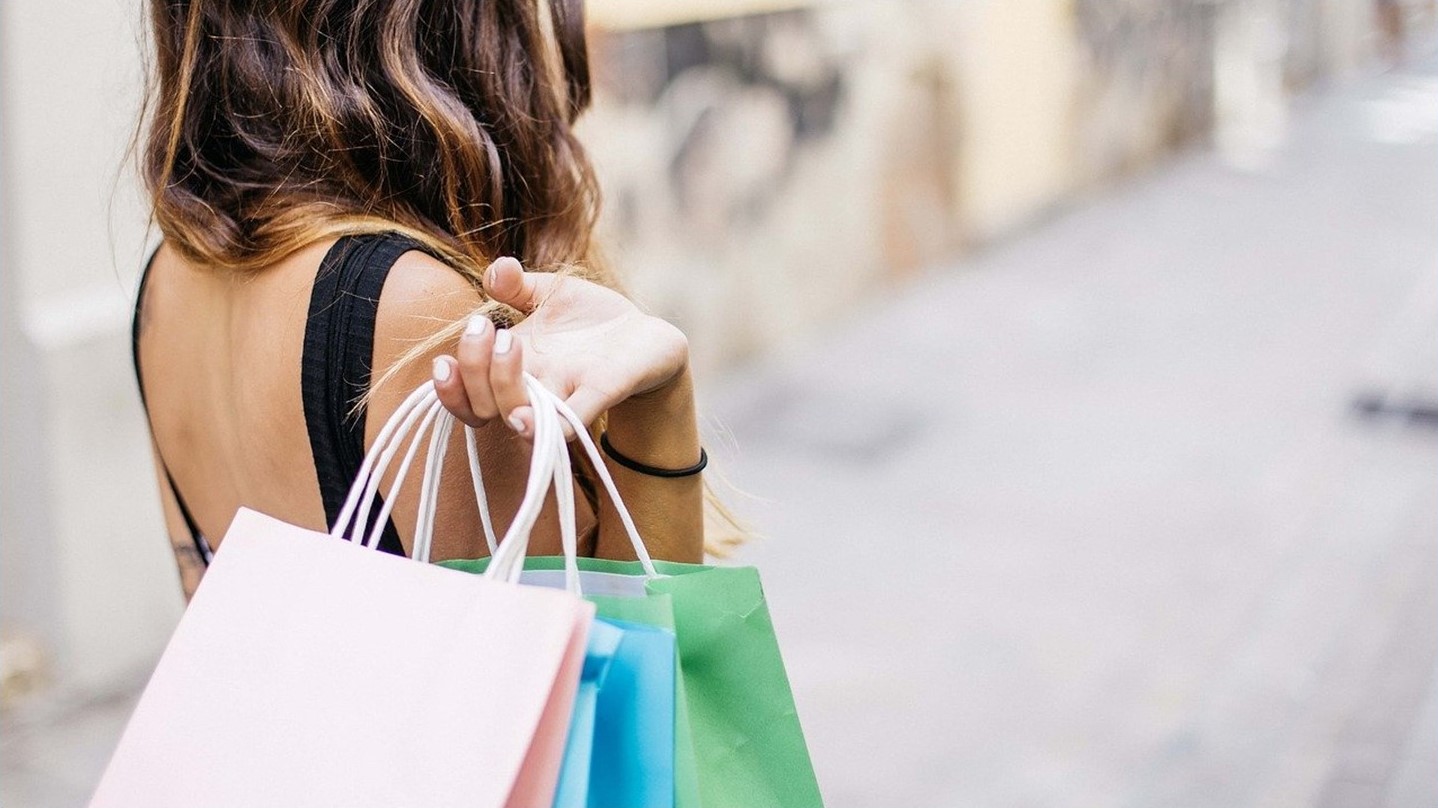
<point x="502" y="340"/>
<point x="475" y="326"/>
<point x="441" y="370"/>
<point x="517" y="424"/>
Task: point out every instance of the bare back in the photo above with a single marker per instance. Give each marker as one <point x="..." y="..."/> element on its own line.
<point x="220" y="355"/>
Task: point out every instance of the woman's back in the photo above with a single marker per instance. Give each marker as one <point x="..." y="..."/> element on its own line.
<point x="277" y="131"/>
<point x="251" y="383"/>
<point x="220" y="362"/>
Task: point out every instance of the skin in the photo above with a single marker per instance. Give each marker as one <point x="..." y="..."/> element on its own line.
<point x="221" y="361"/>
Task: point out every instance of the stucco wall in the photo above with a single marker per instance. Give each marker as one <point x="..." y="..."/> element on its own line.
<point x="767" y="172"/>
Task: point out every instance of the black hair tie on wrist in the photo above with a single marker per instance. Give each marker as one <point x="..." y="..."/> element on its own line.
<point x="635" y="465"/>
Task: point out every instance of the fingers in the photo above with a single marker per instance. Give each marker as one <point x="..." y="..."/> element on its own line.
<point x="507" y="383"/>
<point x="507" y="282"/>
<point x="451" y="390"/>
<point x="475" y="348"/>
<point x="486" y="380"/>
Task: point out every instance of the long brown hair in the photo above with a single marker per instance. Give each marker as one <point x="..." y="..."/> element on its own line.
<point x="276" y="123"/>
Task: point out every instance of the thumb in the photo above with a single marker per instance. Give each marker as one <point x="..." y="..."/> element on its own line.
<point x="507" y="282"/>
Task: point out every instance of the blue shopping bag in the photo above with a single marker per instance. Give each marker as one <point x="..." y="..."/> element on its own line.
<point x="574" y="772"/>
<point x="620" y="749"/>
<point x="633" y="759"/>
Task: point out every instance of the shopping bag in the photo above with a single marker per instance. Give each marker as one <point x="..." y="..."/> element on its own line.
<point x="620" y="750"/>
<point x="308" y="671"/>
<point x="633" y="759"/>
<point x="574" y="775"/>
<point x="657" y="611"/>
<point x="312" y="671"/>
<point x="747" y="737"/>
<point x="621" y="747"/>
<point x="747" y="744"/>
<point x="630" y="606"/>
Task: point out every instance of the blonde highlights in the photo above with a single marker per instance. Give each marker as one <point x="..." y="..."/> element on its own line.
<point x="279" y="123"/>
<point x="276" y="124"/>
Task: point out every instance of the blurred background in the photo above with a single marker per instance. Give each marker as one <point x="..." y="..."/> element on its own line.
<point x="1075" y="362"/>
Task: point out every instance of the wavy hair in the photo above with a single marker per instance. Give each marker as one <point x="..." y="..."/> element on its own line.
<point x="273" y="124"/>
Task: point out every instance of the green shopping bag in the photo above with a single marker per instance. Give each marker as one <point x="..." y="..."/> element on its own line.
<point x="747" y="742"/>
<point x="748" y="750"/>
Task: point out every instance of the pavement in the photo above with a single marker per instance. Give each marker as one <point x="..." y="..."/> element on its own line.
<point x="1139" y="508"/>
<point x="1107" y="514"/>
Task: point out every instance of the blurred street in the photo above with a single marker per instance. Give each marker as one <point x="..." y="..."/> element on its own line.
<point x="1090" y="519"/>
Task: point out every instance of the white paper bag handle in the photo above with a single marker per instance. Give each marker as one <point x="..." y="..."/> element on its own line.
<point x="429" y="488"/>
<point x="431" y="413"/>
<point x="548" y="438"/>
<point x="480" y="498"/>
<point x="429" y="491"/>
<point x="421" y="405"/>
<point x="363" y="491"/>
<point x="542" y="400"/>
<point x="508" y="561"/>
<point x="421" y="411"/>
<point x="546" y="467"/>
<point x="550" y="399"/>
<point x="376" y="461"/>
<point x="596" y="459"/>
<point x="564" y="500"/>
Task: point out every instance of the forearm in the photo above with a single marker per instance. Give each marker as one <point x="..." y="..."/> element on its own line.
<point x="657" y="429"/>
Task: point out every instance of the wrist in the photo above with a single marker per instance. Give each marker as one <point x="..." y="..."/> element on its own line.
<point x="673" y="396"/>
<point x="658" y="428"/>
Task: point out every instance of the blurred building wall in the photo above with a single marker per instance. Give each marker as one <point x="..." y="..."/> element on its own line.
<point x="768" y="164"/>
<point x="29" y="618"/>
<point x="1014" y="69"/>
<point x="767" y="172"/>
<point x="87" y="573"/>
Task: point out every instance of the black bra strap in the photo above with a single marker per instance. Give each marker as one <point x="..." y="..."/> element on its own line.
<point x="201" y="546"/>
<point x="338" y="354"/>
<point x="334" y="372"/>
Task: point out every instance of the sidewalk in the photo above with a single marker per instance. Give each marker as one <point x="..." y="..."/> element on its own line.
<point x="1090" y="519"/>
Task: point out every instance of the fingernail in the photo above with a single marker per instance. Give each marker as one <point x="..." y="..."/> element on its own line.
<point x="476" y="325"/>
<point x="517" y="421"/>
<point x="441" y="370"/>
<point x="502" y="341"/>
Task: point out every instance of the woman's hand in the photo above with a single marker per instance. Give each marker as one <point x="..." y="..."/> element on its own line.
<point x="586" y="342"/>
<point x="600" y="353"/>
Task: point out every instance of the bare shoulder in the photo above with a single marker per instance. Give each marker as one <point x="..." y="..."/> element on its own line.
<point x="422" y="296"/>
<point x="421" y="311"/>
<point x="423" y="304"/>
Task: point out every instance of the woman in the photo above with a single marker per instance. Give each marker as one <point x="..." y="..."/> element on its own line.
<point x="335" y="181"/>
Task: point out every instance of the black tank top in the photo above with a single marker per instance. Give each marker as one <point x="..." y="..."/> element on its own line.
<point x="334" y="368"/>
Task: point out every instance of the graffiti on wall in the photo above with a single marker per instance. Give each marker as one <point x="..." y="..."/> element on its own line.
<point x="737" y="101"/>
<point x="1147" y="80"/>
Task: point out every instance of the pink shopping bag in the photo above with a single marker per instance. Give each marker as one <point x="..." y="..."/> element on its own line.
<point x="310" y="671"/>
